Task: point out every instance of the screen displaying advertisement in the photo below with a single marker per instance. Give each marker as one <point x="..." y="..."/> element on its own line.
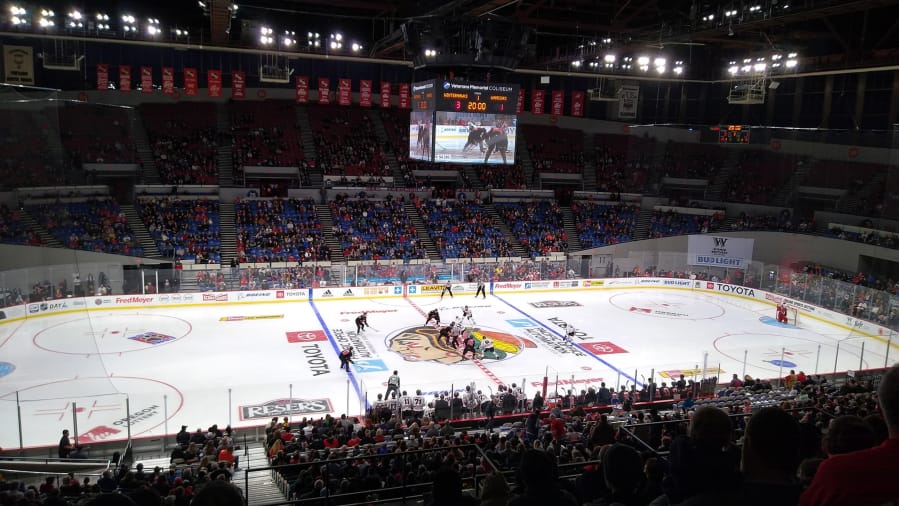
<point x="464" y="137"/>
<point x="421" y="126"/>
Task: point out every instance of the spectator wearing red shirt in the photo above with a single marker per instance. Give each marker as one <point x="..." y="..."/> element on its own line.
<point x="866" y="476"/>
<point x="556" y="427"/>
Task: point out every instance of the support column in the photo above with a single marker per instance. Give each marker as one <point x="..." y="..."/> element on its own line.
<point x="894" y="101"/>
<point x="827" y="103"/>
<point x="861" y="85"/>
<point x="797" y="100"/>
<point x="769" y="105"/>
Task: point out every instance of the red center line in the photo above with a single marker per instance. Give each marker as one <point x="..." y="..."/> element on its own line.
<point x="487" y="372"/>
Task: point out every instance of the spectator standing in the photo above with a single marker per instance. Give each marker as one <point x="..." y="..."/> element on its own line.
<point x="866" y="476"/>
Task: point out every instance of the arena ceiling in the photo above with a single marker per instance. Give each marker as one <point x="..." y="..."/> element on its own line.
<point x="827" y="35"/>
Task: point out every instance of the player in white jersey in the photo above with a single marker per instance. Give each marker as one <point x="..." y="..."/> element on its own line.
<point x="393" y="404"/>
<point x="487" y="347"/>
<point x="418" y="404"/>
<point x="406" y="404"/>
<point x="466" y="315"/>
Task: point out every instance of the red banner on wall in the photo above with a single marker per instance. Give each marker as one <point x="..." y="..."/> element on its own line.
<point x="404" y="101"/>
<point x="302" y="85"/>
<point x="190" y="82"/>
<point x="146" y="79"/>
<point x="344" y="91"/>
<point x="385" y="94"/>
<point x="124" y="77"/>
<point x="365" y="93"/>
<point x="168" y="80"/>
<point x="102" y="76"/>
<point x="519" y="106"/>
<point x="214" y="83"/>
<point x="238" y="84"/>
<point x="537" y="98"/>
<point x="577" y="103"/>
<point x="324" y="90"/>
<point x="558" y="103"/>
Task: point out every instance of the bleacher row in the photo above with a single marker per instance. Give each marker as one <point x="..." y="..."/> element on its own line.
<point x="185" y="137"/>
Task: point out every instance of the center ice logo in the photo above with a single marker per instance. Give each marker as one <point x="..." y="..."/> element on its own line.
<point x="420" y="344"/>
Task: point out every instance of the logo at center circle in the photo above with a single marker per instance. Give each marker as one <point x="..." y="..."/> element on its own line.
<point x="420" y="344"/>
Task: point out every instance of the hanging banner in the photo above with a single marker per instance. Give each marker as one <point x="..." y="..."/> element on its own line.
<point x="324" y="90"/>
<point x="102" y="76"/>
<point x="302" y="89"/>
<point x="214" y="83"/>
<point x="238" y="84"/>
<point x="577" y="103"/>
<point x="557" y="107"/>
<point x="124" y="78"/>
<point x="628" y="96"/>
<point x="733" y="252"/>
<point x="365" y="93"/>
<point x="18" y="65"/>
<point x="344" y="91"/>
<point x="146" y="79"/>
<point x="404" y="102"/>
<point x="537" y="101"/>
<point x="168" y="80"/>
<point x="190" y="82"/>
<point x="385" y="94"/>
<point x="519" y="107"/>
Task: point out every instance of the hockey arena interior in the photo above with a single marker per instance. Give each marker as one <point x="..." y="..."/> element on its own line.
<point x="449" y="252"/>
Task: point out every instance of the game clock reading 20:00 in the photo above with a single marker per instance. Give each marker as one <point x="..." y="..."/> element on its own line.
<point x="457" y="96"/>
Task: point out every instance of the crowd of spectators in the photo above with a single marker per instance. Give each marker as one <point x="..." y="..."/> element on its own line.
<point x="758" y="176"/>
<point x="183" y="228"/>
<point x="502" y="176"/>
<point x="604" y="224"/>
<point x="537" y="224"/>
<point x="668" y="223"/>
<point x="375" y="229"/>
<point x="753" y="442"/>
<point x="692" y="161"/>
<point x="266" y="134"/>
<point x="94" y="134"/>
<point x="346" y="143"/>
<point x="13" y="229"/>
<point x="183" y="138"/>
<point x="279" y="230"/>
<point x="97" y="225"/>
<point x="462" y="229"/>
<point x="554" y="149"/>
<point x="26" y="155"/>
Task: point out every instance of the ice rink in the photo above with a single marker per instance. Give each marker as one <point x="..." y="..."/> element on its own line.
<point x="244" y="362"/>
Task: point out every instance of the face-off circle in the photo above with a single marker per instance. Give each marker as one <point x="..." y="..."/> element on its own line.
<point x="666" y="305"/>
<point x="102" y="416"/>
<point x="111" y="334"/>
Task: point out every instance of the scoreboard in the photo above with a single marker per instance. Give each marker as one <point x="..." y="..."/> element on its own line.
<point x="732" y="134"/>
<point x="492" y="98"/>
<point x="463" y="122"/>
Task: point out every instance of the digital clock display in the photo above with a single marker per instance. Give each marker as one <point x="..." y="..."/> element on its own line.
<point x="732" y="134"/>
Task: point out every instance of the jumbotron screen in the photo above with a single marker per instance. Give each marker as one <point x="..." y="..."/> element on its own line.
<point x="421" y="127"/>
<point x="466" y="137"/>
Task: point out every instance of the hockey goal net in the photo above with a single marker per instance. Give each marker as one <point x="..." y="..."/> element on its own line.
<point x="792" y="315"/>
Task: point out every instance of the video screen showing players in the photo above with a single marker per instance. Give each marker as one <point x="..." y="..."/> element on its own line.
<point x="464" y="137"/>
<point x="420" y="130"/>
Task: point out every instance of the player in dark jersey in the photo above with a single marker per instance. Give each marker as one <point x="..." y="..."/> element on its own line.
<point x="496" y="140"/>
<point x="362" y="322"/>
<point x="444" y="334"/>
<point x="469" y="346"/>
<point x="434" y="316"/>
<point x="346" y="358"/>
<point x="475" y="138"/>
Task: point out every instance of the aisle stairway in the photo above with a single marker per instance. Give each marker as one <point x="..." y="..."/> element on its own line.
<point x="569" y="223"/>
<point x="224" y="159"/>
<point x="421" y="230"/>
<point x="377" y="125"/>
<point x="141" y="234"/>
<point x="717" y="185"/>
<point x="149" y="172"/>
<point x="308" y="140"/>
<point x="227" y="232"/>
<point x="323" y="211"/>
<point x="500" y="224"/>
<point x="46" y="237"/>
<point x="641" y="229"/>
<point x="787" y="193"/>
<point x="588" y="171"/>
<point x="524" y="158"/>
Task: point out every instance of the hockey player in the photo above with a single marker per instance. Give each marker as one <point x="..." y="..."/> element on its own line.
<point x="455" y="332"/>
<point x="487" y="347"/>
<point x="346" y="358"/>
<point x="468" y="341"/>
<point x="433" y="316"/>
<point x="448" y="287"/>
<point x="444" y="334"/>
<point x="481" y="290"/>
<point x="782" y="313"/>
<point x="466" y="315"/>
<point x="362" y="322"/>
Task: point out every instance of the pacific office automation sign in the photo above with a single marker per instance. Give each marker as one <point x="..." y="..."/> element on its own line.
<point x="714" y="250"/>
